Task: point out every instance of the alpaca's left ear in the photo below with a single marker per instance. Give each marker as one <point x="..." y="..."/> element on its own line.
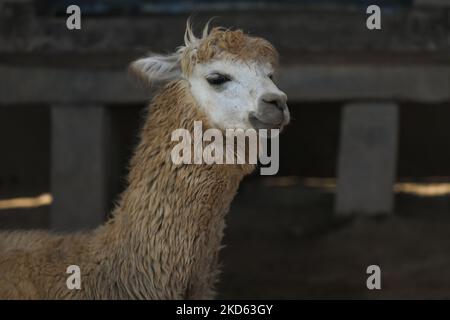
<point x="157" y="68"/>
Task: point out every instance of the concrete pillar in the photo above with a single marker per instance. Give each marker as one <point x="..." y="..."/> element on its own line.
<point x="79" y="158"/>
<point x="367" y="158"/>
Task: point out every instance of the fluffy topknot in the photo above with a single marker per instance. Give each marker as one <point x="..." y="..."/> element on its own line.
<point x="223" y="43"/>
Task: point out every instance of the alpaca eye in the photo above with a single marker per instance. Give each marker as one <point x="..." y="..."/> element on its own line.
<point x="217" y="79"/>
<point x="270" y="76"/>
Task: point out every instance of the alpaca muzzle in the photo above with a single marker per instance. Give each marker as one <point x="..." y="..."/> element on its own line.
<point x="272" y="113"/>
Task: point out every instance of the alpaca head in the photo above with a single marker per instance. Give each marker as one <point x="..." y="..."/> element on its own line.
<point x="230" y="76"/>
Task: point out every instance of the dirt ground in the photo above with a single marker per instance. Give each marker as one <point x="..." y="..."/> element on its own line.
<point x="286" y="243"/>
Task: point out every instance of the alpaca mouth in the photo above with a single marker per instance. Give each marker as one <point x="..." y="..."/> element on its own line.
<point x="259" y="123"/>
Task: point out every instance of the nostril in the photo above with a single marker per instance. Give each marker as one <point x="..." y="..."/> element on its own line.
<point x="275" y="102"/>
<point x="276" y="99"/>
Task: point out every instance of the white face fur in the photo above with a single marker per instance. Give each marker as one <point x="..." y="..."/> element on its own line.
<point x="229" y="91"/>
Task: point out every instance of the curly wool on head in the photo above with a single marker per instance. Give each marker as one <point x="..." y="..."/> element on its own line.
<point x="222" y="43"/>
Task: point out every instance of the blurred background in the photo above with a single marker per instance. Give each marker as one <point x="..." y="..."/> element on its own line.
<point x="364" y="165"/>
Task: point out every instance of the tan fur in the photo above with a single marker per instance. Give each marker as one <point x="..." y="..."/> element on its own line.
<point x="163" y="240"/>
<point x="222" y="43"/>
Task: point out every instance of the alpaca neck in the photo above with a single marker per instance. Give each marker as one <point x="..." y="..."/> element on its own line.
<point x="167" y="229"/>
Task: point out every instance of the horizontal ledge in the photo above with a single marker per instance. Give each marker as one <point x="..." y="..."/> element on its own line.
<point x="118" y="61"/>
<point x="316" y="30"/>
<point x="301" y="83"/>
<point x="404" y="83"/>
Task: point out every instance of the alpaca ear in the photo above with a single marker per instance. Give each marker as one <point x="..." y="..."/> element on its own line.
<point x="156" y="68"/>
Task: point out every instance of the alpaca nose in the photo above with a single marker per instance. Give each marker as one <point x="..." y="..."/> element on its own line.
<point x="275" y="99"/>
<point x="271" y="112"/>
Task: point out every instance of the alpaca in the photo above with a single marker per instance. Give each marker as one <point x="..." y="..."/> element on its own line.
<point x="165" y="233"/>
